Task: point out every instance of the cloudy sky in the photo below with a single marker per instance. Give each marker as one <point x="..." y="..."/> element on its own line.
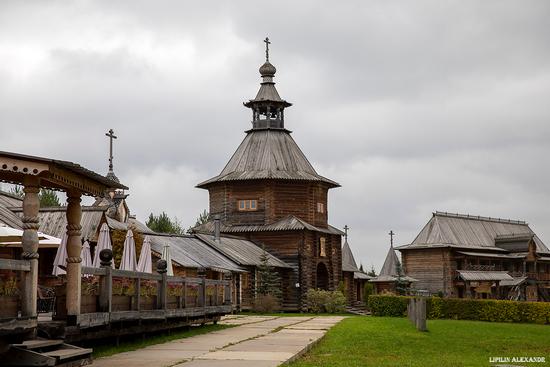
<point x="412" y="106"/>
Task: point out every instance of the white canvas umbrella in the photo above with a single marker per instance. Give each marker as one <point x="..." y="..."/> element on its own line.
<point x="128" y="261"/>
<point x="168" y="258"/>
<point x="145" y="264"/>
<point x="103" y="242"/>
<point x="60" y="257"/>
<point x="86" y="255"/>
<point x="13" y="236"/>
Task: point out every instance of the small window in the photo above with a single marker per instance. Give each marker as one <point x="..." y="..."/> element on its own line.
<point x="320" y="207"/>
<point x="322" y="247"/>
<point x="248" y="205"/>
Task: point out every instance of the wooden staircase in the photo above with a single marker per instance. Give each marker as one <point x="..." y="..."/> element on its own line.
<point x="46" y="352"/>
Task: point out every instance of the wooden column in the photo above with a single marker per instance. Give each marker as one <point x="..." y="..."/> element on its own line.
<point x="74" y="247"/>
<point x="31" y="206"/>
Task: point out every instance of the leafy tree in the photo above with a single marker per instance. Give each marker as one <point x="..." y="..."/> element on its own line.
<point x="48" y="198"/>
<point x="372" y="272"/>
<point x="163" y="224"/>
<point x="269" y="281"/>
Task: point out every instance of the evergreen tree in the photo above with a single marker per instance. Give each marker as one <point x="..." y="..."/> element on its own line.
<point x="361" y="268"/>
<point x="202" y="218"/>
<point x="401" y="285"/>
<point x="372" y="272"/>
<point x="269" y="281"/>
<point x="48" y="198"/>
<point x="17" y="191"/>
<point x="163" y="224"/>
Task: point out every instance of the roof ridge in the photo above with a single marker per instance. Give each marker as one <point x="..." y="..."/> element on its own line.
<point x="478" y="217"/>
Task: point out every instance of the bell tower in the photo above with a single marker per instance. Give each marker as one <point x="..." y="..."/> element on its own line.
<point x="268" y="107"/>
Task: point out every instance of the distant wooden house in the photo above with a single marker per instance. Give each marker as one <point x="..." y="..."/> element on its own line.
<point x="354" y="279"/>
<point x="391" y="276"/>
<point x="479" y="257"/>
<point x="269" y="193"/>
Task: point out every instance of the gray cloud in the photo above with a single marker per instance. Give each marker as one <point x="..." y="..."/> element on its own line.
<point x="412" y="106"/>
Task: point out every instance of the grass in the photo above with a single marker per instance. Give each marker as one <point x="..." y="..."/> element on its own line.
<point x="293" y="314"/>
<point x="385" y="341"/>
<point x="105" y="350"/>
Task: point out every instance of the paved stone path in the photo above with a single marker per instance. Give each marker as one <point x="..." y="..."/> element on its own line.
<point x="257" y="341"/>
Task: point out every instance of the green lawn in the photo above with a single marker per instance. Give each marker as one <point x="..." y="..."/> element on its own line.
<point x="386" y="341"/>
<point x="107" y="349"/>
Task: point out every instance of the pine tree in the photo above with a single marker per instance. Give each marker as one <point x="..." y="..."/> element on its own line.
<point x="361" y="268"/>
<point x="269" y="281"/>
<point x="163" y="224"/>
<point x="48" y="198"/>
<point x="401" y="285"/>
<point x="371" y="272"/>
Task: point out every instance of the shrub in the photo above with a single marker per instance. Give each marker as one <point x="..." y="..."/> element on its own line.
<point x="325" y="301"/>
<point x="466" y="309"/>
<point x="265" y="303"/>
<point x="368" y="289"/>
<point x="395" y="306"/>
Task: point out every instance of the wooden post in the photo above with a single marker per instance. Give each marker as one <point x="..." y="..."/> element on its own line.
<point x="227" y="290"/>
<point x="421" y="314"/>
<point x="184" y="305"/>
<point x="163" y="284"/>
<point x="74" y="246"/>
<point x="202" y="288"/>
<point x="31" y="206"/>
<point x="106" y="282"/>
<point x="137" y="295"/>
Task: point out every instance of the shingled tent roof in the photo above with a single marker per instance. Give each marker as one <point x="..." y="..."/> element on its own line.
<point x="471" y="232"/>
<point x="348" y="261"/>
<point x="268" y="154"/>
<point x="388" y="273"/>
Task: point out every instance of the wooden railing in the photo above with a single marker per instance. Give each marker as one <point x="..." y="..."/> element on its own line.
<point x="117" y="295"/>
<point x="10" y="319"/>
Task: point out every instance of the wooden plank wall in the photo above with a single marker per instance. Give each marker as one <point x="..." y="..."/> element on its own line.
<point x="431" y="267"/>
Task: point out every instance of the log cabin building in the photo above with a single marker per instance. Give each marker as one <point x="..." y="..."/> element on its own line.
<point x="270" y="193"/>
<point x="353" y="279"/>
<point x="469" y="256"/>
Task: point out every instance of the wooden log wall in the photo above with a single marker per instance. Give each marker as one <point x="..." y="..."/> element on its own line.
<point x="431" y="267"/>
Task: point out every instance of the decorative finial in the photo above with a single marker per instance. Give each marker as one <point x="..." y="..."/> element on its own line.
<point x="267" y="43"/>
<point x="346" y="228"/>
<point x="392" y="233"/>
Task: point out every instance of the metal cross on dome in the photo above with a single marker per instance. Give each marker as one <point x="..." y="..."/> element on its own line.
<point x="111" y="135"/>
<point x="267" y="43"/>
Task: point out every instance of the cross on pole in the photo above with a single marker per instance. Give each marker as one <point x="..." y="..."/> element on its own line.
<point x="392" y="233"/>
<point x="267" y="43"/>
<point x="111" y="135"/>
<point x="346" y="228"/>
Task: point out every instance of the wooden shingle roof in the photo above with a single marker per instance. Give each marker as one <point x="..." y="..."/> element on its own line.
<point x="268" y="154"/>
<point x="472" y="232"/>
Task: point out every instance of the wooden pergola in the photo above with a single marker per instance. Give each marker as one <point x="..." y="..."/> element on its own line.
<point x="34" y="173"/>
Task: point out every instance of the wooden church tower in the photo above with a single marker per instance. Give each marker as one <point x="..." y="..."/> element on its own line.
<point x="269" y="192"/>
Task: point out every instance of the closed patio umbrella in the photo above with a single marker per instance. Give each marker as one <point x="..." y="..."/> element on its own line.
<point x="86" y="255"/>
<point x="103" y="242"/>
<point x="128" y="261"/>
<point x="145" y="264"/>
<point x="168" y="258"/>
<point x="60" y="257"/>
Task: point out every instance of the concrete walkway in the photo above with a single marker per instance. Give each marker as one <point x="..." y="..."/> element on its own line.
<point x="257" y="341"/>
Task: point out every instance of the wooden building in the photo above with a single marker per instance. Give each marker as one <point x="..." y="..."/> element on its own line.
<point x="480" y="257"/>
<point x="387" y="281"/>
<point x="270" y="193"/>
<point x="353" y="278"/>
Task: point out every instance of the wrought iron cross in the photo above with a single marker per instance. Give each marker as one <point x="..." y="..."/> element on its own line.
<point x="111" y="135"/>
<point x="346" y="231"/>
<point x="392" y="233"/>
<point x="267" y="43"/>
